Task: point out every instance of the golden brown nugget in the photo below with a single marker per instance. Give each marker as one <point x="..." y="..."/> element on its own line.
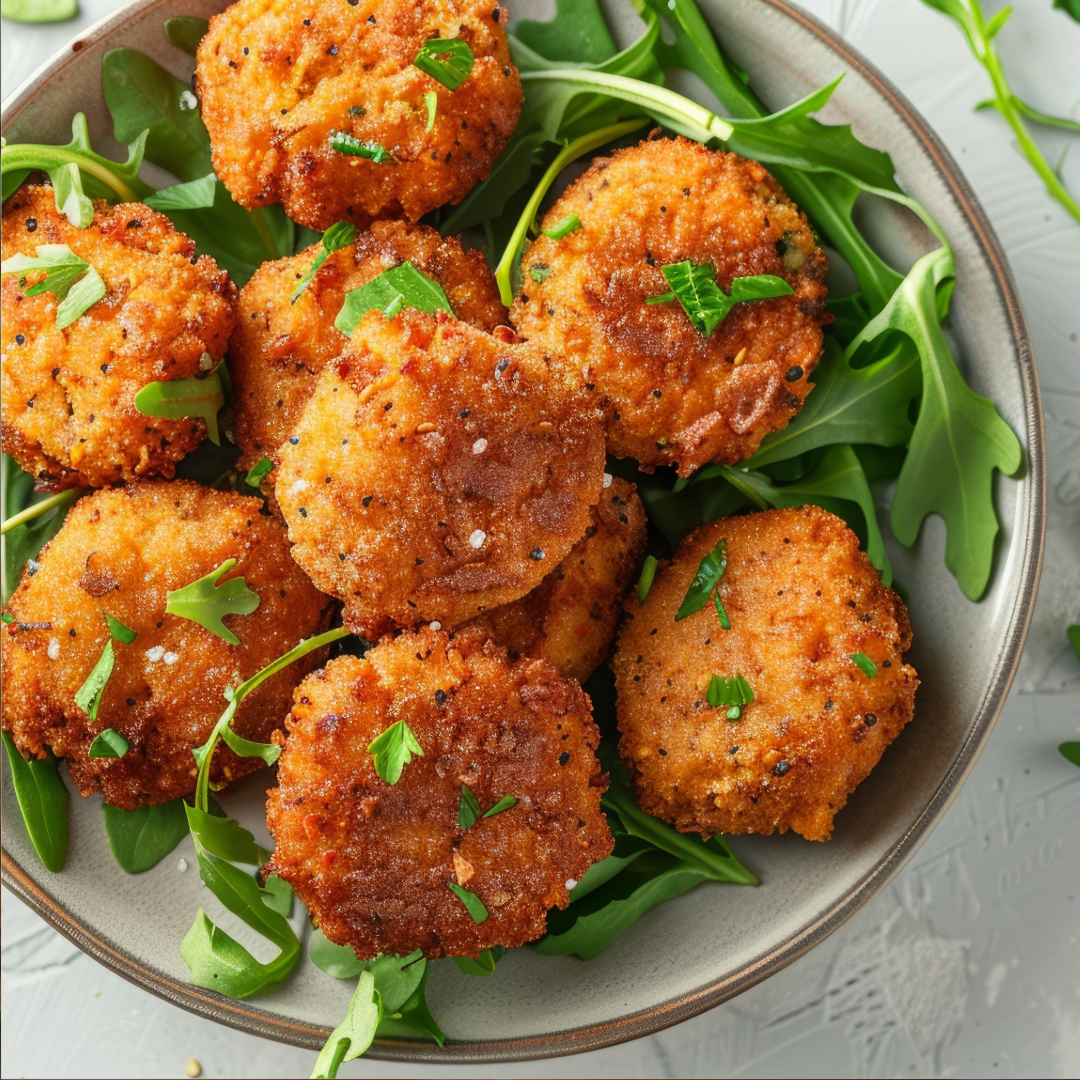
<point x="69" y="414"/>
<point x="802" y="599"/>
<point x="673" y="396"/>
<point x="373" y="861"/>
<point x="279" y="347"/>
<point x="121" y="552"/>
<point x="278" y="78"/>
<point x="437" y="472"/>
<point x="571" y="617"/>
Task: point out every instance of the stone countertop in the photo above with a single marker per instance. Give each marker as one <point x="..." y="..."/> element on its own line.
<point x="968" y="963"/>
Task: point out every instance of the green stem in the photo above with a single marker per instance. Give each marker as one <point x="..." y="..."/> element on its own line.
<point x="264" y="233"/>
<point x="39" y="508"/>
<point x="30" y="156"/>
<point x="570" y="152"/>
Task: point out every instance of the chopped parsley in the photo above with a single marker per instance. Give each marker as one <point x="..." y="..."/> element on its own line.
<point x="562" y="228"/>
<point x="259" y="472"/>
<point x="503" y="804"/>
<point x="206" y="603"/>
<point x="864" y="664"/>
<point x="706" y="583"/>
<point x="88" y="696"/>
<point x="399" y="287"/>
<point x="473" y="904"/>
<point x="446" y="60"/>
<point x="336" y="237"/>
<point x="344" y="143"/>
<point x="468" y="808"/>
<point x="704" y="302"/>
<point x="393" y="750"/>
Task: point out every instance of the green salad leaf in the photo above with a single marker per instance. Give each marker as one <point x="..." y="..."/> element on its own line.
<point x="179" y="399"/>
<point x="43" y="800"/>
<point x="39" y="11"/>
<point x="355" y="1033"/>
<point x="194" y="195"/>
<point x="705" y="583"/>
<point x="75" y="283"/>
<point x="483" y="965"/>
<point x="705" y="303"/>
<point x="446" y="60"/>
<point x="141" y="838"/>
<point x="108" y="744"/>
<point x="207" y="603"/>
<point x="186" y="31"/>
<point x="399" y="287"/>
<point x="393" y="749"/>
<point x="1070" y="751"/>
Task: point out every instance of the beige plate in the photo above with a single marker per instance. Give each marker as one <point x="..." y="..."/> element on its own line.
<point x="715" y="941"/>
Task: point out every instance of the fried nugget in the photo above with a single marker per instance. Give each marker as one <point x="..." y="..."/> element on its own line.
<point x="673" y="396"/>
<point x="373" y="861"/>
<point x="279" y="347"/>
<point x="121" y="552"/>
<point x="570" y="618"/>
<point x="69" y="414"/>
<point x="437" y="472"/>
<point x="278" y="81"/>
<point x="802" y="599"/>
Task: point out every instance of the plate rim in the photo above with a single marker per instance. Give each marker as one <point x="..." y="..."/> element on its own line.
<point x="1031" y="532"/>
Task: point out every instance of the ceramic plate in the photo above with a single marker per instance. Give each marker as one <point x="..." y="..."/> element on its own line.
<point x="708" y="945"/>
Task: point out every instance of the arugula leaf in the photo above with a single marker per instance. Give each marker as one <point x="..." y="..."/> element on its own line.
<point x="1070" y="751"/>
<point x="446" y="60"/>
<point x="980" y="35"/>
<point x="63" y="271"/>
<point x="344" y="143"/>
<point x="206" y="603"/>
<point x="141" y="838"/>
<point x="413" y="1020"/>
<point x="1073" y="634"/>
<point x="194" y="195"/>
<point x="505" y="803"/>
<point x="223" y="837"/>
<point x="706" y="581"/>
<point x="338" y="961"/>
<point x="959" y="438"/>
<point x="577" y="34"/>
<point x="627" y="849"/>
<point x="259" y="472"/>
<point x="336" y="237"/>
<point x="563" y="227"/>
<point x="400" y="286"/>
<point x="39" y="11"/>
<point x="179" y="399"/>
<point x="88" y="696"/>
<point x="469" y="811"/>
<point x="71" y="200"/>
<point x="473" y="904"/>
<point x="483" y="965"/>
<point x="43" y="801"/>
<point x="186" y="31"/>
<point x="278" y="895"/>
<point x="393" y="750"/>
<point x="648" y="575"/>
<point x="705" y="303"/>
<point x="1070" y="7"/>
<point x="355" y="1033"/>
<point x="864" y="664"/>
<point x="108" y="744"/>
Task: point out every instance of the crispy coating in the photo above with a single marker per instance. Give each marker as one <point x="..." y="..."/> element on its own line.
<point x="437" y="472"/>
<point x="69" y="414"/>
<point x="279" y="347"/>
<point x="672" y="396"/>
<point x="372" y="861"/>
<point x="121" y="551"/>
<point x="801" y="598"/>
<point x="277" y="77"/>
<point x="570" y="618"/>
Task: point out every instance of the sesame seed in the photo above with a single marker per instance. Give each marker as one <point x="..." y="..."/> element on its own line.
<point x="435" y="625"/>
<point x="477" y="538"/>
<point x="479" y="446"/>
<point x="571" y="882"/>
<point x="608" y="478"/>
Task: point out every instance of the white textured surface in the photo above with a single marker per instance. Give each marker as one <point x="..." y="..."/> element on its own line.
<point x="969" y="963"/>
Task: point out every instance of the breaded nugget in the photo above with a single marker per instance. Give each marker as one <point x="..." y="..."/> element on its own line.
<point x="437" y="472"/>
<point x="373" y="861"/>
<point x="121" y="552"/>
<point x="279" y="347"/>
<point x="673" y="396"/>
<point x="570" y="618"/>
<point x="802" y="599"/>
<point x="277" y="80"/>
<point x="69" y="414"/>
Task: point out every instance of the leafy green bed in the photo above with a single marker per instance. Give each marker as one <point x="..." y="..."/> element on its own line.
<point x="889" y="405"/>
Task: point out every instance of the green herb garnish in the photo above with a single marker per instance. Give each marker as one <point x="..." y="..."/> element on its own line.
<point x="393" y="750"/>
<point x="88" y="696"/>
<point x="336" y="237"/>
<point x="400" y="286"/>
<point x="43" y="800"/>
<point x="864" y="664"/>
<point x="706" y="304"/>
<point x="564" y="227"/>
<point x="648" y="573"/>
<point x="179" y="399"/>
<point x="206" y="603"/>
<point x="473" y="904"/>
<point x="540" y="272"/>
<point x="446" y="60"/>
<point x="345" y="143"/>
<point x="469" y="811"/>
<point x="75" y="283"/>
<point x="39" y="11"/>
<point x="483" y="965"/>
<point x="259" y="472"/>
<point x="141" y="838"/>
<point x="109" y="744"/>
<point x="503" y="804"/>
<point x="355" y="1033"/>
<point x="731" y="692"/>
<point x="705" y="584"/>
<point x="193" y="195"/>
<point x="431" y="103"/>
<point x="186" y="31"/>
<point x="1070" y="751"/>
